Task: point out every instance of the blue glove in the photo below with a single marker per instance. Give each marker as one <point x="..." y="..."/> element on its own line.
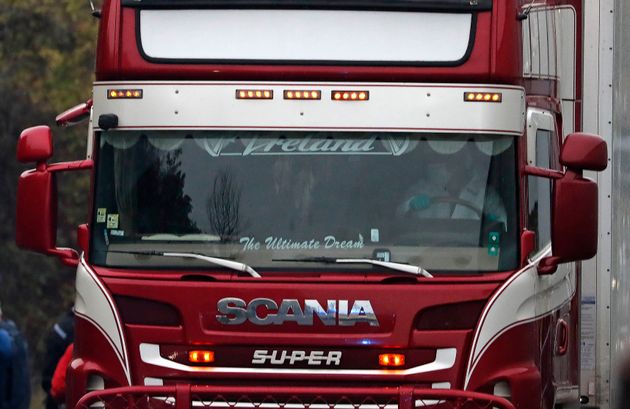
<point x="420" y="202"/>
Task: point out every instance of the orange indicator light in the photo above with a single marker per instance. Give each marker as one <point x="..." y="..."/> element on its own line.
<point x="391" y="359"/>
<point x="254" y="94"/>
<point x="124" y="94"/>
<point x="201" y="357"/>
<point x="350" y="95"/>
<point x="303" y="94"/>
<point x="483" y="97"/>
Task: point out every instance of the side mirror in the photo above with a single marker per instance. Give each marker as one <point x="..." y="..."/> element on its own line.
<point x="36" y="216"/>
<point x="582" y="151"/>
<point x="35" y="145"/>
<point x="36" y="212"/>
<point x="574" y="203"/>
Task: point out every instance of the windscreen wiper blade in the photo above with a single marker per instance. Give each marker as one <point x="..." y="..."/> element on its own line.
<point x="405" y="268"/>
<point x="233" y="265"/>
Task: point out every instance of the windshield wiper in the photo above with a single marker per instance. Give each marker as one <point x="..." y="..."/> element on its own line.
<point x="405" y="268"/>
<point x="233" y="265"/>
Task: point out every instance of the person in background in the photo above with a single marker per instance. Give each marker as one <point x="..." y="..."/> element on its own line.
<point x="59" y="338"/>
<point x="58" y="384"/>
<point x="15" y="384"/>
<point x="6" y="353"/>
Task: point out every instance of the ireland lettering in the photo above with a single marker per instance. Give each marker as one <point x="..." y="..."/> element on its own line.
<point x="307" y="145"/>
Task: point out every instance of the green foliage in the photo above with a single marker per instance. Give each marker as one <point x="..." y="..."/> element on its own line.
<point x="46" y="66"/>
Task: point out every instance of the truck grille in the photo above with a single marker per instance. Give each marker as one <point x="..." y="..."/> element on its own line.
<point x="233" y="397"/>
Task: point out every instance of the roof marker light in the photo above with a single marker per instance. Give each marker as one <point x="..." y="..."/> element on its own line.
<point x="254" y="94"/>
<point x="303" y="94"/>
<point x="349" y="95"/>
<point x="124" y="94"/>
<point x="483" y="97"/>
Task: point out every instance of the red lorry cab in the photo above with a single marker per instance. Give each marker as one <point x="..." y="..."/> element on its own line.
<point x="353" y="203"/>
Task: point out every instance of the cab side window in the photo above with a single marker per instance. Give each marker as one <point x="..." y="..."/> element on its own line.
<point x="539" y="203"/>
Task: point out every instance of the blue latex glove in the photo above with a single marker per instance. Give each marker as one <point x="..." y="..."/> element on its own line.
<point x="420" y="202"/>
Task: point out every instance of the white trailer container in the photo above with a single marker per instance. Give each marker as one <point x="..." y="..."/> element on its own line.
<point x="606" y="294"/>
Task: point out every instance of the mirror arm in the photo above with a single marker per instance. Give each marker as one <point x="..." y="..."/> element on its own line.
<point x="70" y="166"/>
<point x="69" y="257"/>
<point x="545" y="173"/>
<point x="548" y="265"/>
<point x="41" y="166"/>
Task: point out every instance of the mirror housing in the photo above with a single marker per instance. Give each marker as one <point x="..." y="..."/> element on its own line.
<point x="574" y="205"/>
<point x="582" y="151"/>
<point x="36" y="216"/>
<point x="35" y="145"/>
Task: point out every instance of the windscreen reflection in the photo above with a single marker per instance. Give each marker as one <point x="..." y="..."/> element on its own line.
<point x="444" y="202"/>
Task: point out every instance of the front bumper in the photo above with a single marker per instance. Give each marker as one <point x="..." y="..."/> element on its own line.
<point x="287" y="397"/>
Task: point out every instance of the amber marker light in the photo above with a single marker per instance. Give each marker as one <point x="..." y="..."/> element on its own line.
<point x="391" y="359"/>
<point x="201" y="357"/>
<point x="254" y="94"/>
<point x="350" y="95"/>
<point x="483" y="97"/>
<point x="303" y="94"/>
<point x="124" y="94"/>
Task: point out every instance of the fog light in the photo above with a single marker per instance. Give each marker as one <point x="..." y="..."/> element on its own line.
<point x="201" y="357"/>
<point x="391" y="359"/>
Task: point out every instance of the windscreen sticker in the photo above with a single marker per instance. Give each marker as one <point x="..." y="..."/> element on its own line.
<point x="112" y="221"/>
<point x="382" y="254"/>
<point x="307" y="145"/>
<point x="251" y="243"/>
<point x="101" y="215"/>
<point x="117" y="233"/>
<point x="374" y="235"/>
<point x="494" y="241"/>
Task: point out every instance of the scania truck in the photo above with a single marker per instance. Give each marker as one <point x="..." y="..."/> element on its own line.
<point x="329" y="204"/>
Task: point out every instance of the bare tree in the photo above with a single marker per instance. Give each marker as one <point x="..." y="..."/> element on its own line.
<point x="223" y="206"/>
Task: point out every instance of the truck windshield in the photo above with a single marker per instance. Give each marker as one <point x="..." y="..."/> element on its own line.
<point x="271" y="199"/>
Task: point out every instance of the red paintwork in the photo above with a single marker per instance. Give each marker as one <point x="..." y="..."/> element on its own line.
<point x="93" y="355"/>
<point x="524" y="364"/>
<point x="534" y="371"/>
<point x="35" y="144"/>
<point x="118" y="58"/>
<point x="527" y="356"/>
